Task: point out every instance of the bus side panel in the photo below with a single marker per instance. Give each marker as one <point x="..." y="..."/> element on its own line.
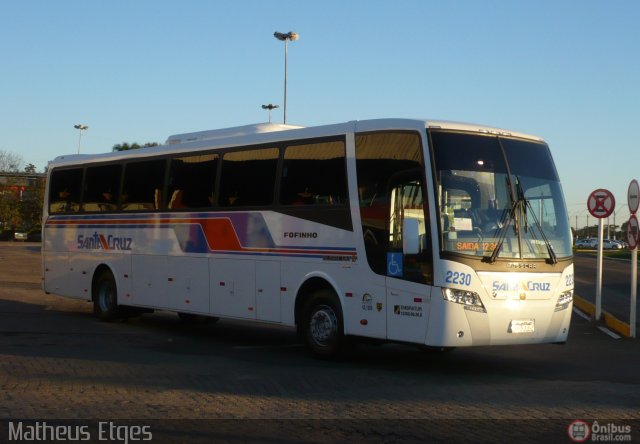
<point x="55" y="273"/>
<point x="188" y="284"/>
<point x="365" y="312"/>
<point x="232" y="288"/>
<point x="268" y="291"/>
<point x="149" y="281"/>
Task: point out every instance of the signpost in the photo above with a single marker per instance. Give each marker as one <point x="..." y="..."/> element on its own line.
<point x="600" y="204"/>
<point x="633" y="236"/>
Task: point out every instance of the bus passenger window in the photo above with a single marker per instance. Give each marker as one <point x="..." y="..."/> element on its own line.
<point x="142" y="182"/>
<point x="65" y="191"/>
<point x="248" y="177"/>
<point x="101" y="188"/>
<point x="306" y="171"/>
<point x="191" y="181"/>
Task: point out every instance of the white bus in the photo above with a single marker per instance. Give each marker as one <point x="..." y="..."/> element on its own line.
<point x="435" y="233"/>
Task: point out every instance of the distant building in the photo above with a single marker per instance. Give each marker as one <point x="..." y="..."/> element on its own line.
<point x="21" y="185"/>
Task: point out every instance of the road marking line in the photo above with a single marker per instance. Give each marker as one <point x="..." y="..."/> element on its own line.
<point x="581" y="314"/>
<point x="609" y="332"/>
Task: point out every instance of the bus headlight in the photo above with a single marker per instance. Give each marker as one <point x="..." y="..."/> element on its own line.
<point x="566" y="297"/>
<point x="470" y="300"/>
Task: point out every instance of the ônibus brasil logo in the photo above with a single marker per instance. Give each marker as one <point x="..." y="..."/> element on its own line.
<point x="102" y="242"/>
<point x="579" y="430"/>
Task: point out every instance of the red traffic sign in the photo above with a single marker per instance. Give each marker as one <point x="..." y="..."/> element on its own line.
<point x="632" y="196"/>
<point x="601" y="203"/>
<point x="633" y="235"/>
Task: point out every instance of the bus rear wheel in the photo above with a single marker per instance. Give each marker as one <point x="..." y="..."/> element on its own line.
<point x="105" y="297"/>
<point x="322" y="325"/>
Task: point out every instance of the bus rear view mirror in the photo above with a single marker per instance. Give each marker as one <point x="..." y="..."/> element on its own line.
<point x="410" y="236"/>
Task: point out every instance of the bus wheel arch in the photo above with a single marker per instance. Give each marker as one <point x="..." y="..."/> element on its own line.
<point x="104" y="294"/>
<point x="319" y="317"/>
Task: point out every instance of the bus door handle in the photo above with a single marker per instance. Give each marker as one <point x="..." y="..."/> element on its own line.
<point x="394" y="293"/>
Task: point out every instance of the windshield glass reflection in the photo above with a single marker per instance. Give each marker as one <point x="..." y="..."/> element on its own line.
<point x="478" y="200"/>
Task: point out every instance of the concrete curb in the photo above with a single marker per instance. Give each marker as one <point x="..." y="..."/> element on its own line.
<point x="613" y="323"/>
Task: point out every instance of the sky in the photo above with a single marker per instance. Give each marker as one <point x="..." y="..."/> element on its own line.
<point x="141" y="70"/>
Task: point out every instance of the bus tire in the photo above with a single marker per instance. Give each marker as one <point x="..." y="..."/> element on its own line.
<point x="105" y="297"/>
<point x="322" y="326"/>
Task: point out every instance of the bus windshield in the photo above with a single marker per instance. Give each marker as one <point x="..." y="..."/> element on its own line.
<point x="499" y="197"/>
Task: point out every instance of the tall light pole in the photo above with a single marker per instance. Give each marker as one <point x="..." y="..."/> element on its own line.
<point x="80" y="128"/>
<point x="270" y="107"/>
<point x="286" y="38"/>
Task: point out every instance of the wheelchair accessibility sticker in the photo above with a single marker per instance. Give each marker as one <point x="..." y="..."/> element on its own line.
<point x="394" y="264"/>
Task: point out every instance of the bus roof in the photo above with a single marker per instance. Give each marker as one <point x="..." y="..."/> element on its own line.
<point x="272" y="132"/>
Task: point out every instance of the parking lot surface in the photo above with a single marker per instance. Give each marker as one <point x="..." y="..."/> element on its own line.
<point x="240" y="382"/>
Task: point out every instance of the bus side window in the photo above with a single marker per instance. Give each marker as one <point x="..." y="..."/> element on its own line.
<point x="143" y="182"/>
<point x="248" y="177"/>
<point x="306" y="170"/>
<point x="101" y="187"/>
<point x="65" y="190"/>
<point x="192" y="181"/>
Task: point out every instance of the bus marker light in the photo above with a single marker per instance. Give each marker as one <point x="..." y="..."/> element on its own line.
<point x="222" y="284"/>
<point x="126" y="276"/>
<point x="349" y="295"/>
<point x="283" y="288"/>
<point x="187" y="301"/>
<point x="170" y="279"/>
<point x="363" y="322"/>
<point x="417" y="299"/>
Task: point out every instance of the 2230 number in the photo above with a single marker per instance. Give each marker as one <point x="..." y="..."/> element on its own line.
<point x="455" y="277"/>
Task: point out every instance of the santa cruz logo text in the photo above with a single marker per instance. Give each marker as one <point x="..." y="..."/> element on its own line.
<point x="102" y="242"/>
<point x="517" y="286"/>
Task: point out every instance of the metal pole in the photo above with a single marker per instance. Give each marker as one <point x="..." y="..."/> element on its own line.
<point x="79" y="140"/>
<point x="634" y="291"/>
<point x="599" y="272"/>
<point x="285" y="80"/>
<point x="614" y="225"/>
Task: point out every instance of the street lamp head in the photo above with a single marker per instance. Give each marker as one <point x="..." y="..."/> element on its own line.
<point x="270" y="106"/>
<point x="291" y="36"/>
<point x="80" y="127"/>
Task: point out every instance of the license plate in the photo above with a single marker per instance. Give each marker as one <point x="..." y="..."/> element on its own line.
<point x="522" y="326"/>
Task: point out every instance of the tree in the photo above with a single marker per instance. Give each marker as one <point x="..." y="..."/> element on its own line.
<point x="30" y="168"/>
<point x="10" y="162"/>
<point x="124" y="146"/>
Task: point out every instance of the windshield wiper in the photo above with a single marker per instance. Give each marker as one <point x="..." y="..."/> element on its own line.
<point x="508" y="216"/>
<point x="553" y="259"/>
<point x="519" y="204"/>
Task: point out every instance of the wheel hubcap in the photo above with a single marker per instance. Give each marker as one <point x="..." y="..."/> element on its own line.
<point x="105" y="298"/>
<point x="323" y="325"/>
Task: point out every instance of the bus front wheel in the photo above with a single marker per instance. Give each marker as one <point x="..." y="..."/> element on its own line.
<point x="105" y="297"/>
<point x="323" y="326"/>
